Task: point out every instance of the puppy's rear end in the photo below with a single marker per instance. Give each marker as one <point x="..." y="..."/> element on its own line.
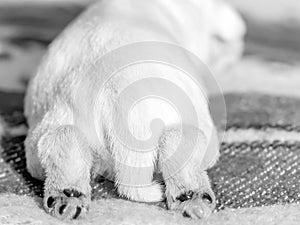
<point x="66" y="141"/>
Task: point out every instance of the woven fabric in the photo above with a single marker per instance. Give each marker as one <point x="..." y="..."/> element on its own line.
<point x="247" y="174"/>
<point x="257" y="174"/>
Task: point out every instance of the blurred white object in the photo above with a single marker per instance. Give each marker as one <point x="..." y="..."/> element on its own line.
<point x="76" y="110"/>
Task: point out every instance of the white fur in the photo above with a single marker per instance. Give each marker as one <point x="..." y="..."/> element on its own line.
<point x="52" y="97"/>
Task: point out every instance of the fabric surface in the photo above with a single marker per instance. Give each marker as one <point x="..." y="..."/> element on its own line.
<point x="248" y="174"/>
<point x="24" y="210"/>
<point x="260" y="153"/>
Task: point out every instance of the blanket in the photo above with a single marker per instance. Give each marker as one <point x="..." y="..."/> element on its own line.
<point x="256" y="179"/>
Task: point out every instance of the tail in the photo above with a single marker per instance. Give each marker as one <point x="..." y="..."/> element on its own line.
<point x="150" y="193"/>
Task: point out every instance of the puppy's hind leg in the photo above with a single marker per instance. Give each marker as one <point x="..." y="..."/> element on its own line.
<point x="66" y="159"/>
<point x="33" y="164"/>
<point x="184" y="156"/>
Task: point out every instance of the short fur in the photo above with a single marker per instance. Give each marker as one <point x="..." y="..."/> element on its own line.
<point x="65" y="152"/>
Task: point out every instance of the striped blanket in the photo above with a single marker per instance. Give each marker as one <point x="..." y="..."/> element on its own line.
<point x="260" y="151"/>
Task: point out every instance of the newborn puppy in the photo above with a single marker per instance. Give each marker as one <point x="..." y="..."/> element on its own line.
<point x="74" y="134"/>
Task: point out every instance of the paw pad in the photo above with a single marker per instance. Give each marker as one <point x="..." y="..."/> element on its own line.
<point x="207" y="198"/>
<point x="62" y="209"/>
<point x="78" y="211"/>
<point x="67" y="204"/>
<point x="50" y="202"/>
<point x="196" y="205"/>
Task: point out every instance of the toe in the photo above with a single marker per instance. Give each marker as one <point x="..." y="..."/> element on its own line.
<point x="202" y="211"/>
<point x="50" y="202"/>
<point x="71" y="209"/>
<point x="197" y="211"/>
<point x="65" y="207"/>
<point x="77" y="213"/>
<point x="199" y="206"/>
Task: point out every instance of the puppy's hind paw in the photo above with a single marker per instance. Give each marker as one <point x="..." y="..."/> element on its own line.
<point x="67" y="204"/>
<point x="196" y="205"/>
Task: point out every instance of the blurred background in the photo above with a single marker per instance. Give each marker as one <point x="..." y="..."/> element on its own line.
<point x="261" y="93"/>
<point x="272" y="41"/>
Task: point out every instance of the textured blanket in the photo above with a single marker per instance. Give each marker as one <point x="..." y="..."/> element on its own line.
<point x="256" y="179"/>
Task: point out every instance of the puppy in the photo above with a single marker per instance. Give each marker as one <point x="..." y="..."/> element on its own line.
<point x="79" y="121"/>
